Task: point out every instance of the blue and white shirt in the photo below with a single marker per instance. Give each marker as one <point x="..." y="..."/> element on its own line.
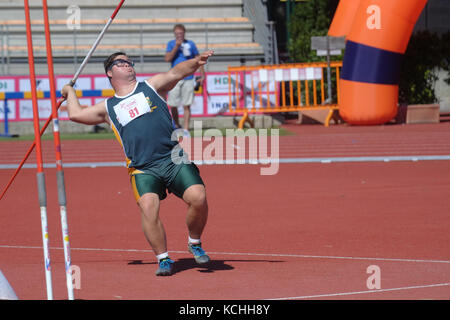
<point x="186" y="51"/>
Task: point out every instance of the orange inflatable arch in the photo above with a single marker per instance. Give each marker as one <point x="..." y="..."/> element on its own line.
<point x="377" y="34"/>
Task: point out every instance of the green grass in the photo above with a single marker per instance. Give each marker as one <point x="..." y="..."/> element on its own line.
<point x="110" y="135"/>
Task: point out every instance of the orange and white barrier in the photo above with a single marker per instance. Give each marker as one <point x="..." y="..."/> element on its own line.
<point x="282" y="88"/>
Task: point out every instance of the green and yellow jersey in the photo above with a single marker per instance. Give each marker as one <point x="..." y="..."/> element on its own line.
<point x="143" y="125"/>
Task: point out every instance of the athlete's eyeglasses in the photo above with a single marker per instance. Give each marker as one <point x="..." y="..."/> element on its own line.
<point x="121" y="63"/>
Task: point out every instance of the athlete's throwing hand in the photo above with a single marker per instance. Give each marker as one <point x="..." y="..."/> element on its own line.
<point x="203" y="58"/>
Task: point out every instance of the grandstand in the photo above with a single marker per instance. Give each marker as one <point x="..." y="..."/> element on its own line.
<point x="142" y="29"/>
<point x="237" y="30"/>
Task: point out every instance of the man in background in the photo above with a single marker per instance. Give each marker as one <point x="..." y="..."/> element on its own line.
<point x="178" y="50"/>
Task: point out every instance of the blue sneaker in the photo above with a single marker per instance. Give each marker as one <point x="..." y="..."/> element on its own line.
<point x="165" y="267"/>
<point x="199" y="254"/>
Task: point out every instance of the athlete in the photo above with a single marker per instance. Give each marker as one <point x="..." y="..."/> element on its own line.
<point x="142" y="123"/>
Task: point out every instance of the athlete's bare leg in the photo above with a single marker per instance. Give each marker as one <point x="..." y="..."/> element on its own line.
<point x="197" y="213"/>
<point x="151" y="223"/>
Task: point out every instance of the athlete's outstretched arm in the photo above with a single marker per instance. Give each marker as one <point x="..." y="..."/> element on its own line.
<point x="164" y="82"/>
<point x="91" y="115"/>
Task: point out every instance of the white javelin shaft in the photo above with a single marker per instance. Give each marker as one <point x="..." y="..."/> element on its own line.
<point x="48" y="272"/>
<point x="94" y="46"/>
<point x="89" y="54"/>
<point x="67" y="259"/>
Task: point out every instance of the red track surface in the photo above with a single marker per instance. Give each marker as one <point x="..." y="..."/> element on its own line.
<point x="310" y="231"/>
<point x="308" y="141"/>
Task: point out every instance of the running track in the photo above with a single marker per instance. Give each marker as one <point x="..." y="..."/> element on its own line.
<point x="342" y="200"/>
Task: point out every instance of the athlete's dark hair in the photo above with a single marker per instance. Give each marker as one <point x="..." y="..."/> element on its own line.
<point x="108" y="62"/>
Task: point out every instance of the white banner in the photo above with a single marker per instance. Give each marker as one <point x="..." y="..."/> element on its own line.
<point x="196" y="107"/>
<point x="26" y="108"/>
<point x="218" y="104"/>
<point x="11" y="110"/>
<point x="42" y="84"/>
<point x="101" y="83"/>
<point x="82" y="83"/>
<point x="218" y="83"/>
<point x="7" y="85"/>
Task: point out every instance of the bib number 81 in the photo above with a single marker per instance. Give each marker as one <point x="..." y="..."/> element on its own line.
<point x="133" y="112"/>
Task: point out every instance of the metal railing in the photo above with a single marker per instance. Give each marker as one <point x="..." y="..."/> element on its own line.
<point x="283" y="88"/>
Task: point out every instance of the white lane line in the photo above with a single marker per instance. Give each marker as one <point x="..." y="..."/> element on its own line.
<point x="413" y="158"/>
<point x="303" y="256"/>
<point x="328" y="295"/>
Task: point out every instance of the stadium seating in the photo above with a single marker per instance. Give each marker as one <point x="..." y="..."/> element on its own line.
<point x="141" y="29"/>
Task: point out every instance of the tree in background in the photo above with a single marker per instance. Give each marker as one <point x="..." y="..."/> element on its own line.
<point x="427" y="53"/>
<point x="309" y="19"/>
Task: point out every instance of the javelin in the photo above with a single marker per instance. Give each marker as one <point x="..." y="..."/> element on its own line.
<point x="58" y="156"/>
<point x="40" y="168"/>
<point x="72" y="83"/>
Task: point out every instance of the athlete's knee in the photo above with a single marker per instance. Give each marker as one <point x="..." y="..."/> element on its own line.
<point x="149" y="205"/>
<point x="196" y="196"/>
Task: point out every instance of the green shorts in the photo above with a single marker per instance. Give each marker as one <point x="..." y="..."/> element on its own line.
<point x="187" y="175"/>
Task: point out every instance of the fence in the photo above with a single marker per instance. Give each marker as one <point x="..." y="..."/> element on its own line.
<point x="283" y="88"/>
